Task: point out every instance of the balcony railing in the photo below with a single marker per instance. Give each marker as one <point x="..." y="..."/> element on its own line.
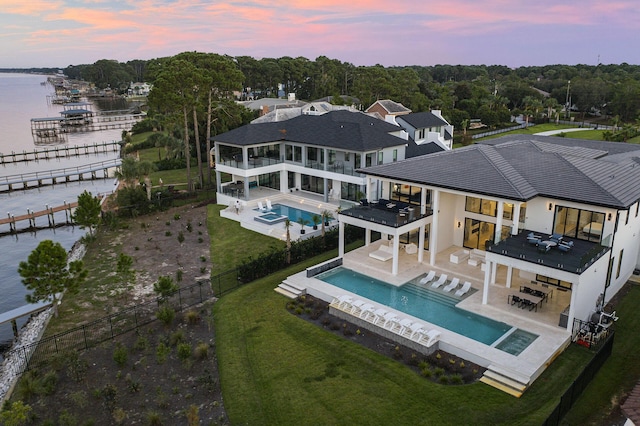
<point x="389" y="213"/>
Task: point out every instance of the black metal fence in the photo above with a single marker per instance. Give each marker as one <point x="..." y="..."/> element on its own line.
<point x="106" y="328"/>
<point x="572" y="394"/>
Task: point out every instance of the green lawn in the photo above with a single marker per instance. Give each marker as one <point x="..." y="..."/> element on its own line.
<point x="231" y="243"/>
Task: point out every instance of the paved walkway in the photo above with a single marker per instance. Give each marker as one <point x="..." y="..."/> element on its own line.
<point x="555" y="132"/>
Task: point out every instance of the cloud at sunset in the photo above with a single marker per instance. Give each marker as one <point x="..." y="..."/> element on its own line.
<point x="405" y="32"/>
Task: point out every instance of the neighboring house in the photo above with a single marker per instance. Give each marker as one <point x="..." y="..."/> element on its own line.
<point x="388" y="110"/>
<point x="316" y="154"/>
<point x="422" y="127"/>
<point x="427" y="127"/>
<point x="489" y="197"/>
<point x="139" y="89"/>
<point x="312" y="108"/>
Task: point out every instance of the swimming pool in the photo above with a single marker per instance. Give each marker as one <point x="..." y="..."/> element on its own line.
<point x="432" y="306"/>
<point x="279" y="212"/>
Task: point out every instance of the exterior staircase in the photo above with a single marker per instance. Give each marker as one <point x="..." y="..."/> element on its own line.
<point x="507" y="381"/>
<point x="290" y="290"/>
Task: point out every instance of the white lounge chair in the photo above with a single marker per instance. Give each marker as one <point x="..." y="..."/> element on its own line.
<point x="441" y="280"/>
<point x="453" y="284"/>
<point x="366" y="310"/>
<point x="464" y="289"/>
<point x="389" y="319"/>
<point x="428" y="278"/>
<point x="269" y="205"/>
<point x="356" y="305"/>
<point x="415" y="328"/>
<point x="378" y="314"/>
<point x="400" y="326"/>
<point x="344" y="301"/>
<point x="429" y="338"/>
<point x="261" y="207"/>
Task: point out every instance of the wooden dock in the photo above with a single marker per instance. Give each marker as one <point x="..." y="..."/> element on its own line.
<point x="59" y="152"/>
<point x="31" y="216"/>
<point x="52" y="177"/>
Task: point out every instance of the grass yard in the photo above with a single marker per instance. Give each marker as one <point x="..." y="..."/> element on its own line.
<point x="231" y="243"/>
<point x="278" y="369"/>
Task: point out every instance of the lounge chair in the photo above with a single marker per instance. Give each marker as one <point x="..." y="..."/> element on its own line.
<point x="453" y="284"/>
<point x="378" y="314"/>
<point x="261" y="207"/>
<point x="356" y="306"/>
<point x="429" y="338"/>
<point x="269" y="205"/>
<point x="441" y="280"/>
<point x="464" y="289"/>
<point x="400" y="326"/>
<point x="428" y="278"/>
<point x="534" y="236"/>
<point x="366" y="310"/>
<point x="389" y="318"/>
<point x="344" y="302"/>
<point x="416" y="328"/>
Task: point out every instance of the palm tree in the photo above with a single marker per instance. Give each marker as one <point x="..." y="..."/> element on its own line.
<point x="302" y="221"/>
<point x="287" y="227"/>
<point x="326" y="217"/>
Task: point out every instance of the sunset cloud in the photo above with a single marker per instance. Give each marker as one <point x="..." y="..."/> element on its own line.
<point x="362" y="32"/>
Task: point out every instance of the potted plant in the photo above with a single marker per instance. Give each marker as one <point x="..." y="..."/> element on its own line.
<point x="302" y="221"/>
<point x="316" y="219"/>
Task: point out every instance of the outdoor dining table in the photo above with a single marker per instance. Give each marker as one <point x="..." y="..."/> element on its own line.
<point x="545" y="293"/>
<point x="534" y="300"/>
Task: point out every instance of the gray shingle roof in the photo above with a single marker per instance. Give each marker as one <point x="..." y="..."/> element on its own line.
<point x="420" y="120"/>
<point x="344" y="130"/>
<point x="521" y="169"/>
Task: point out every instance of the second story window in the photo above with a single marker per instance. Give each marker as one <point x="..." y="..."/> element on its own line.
<point x="395" y="155"/>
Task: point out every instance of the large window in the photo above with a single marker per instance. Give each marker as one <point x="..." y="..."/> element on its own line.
<point x="313" y="184"/>
<point x="577" y="223"/>
<point x="413" y="237"/>
<point x="293" y="153"/>
<point x="481" y="206"/>
<point x="552" y="281"/>
<point x="270" y="180"/>
<point x="407" y="193"/>
<point x="477" y="234"/>
<point x="350" y="191"/>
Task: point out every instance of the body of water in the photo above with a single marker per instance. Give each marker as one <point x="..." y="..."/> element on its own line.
<point x="23" y="98"/>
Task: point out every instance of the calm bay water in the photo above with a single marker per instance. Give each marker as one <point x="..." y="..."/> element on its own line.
<point x="22" y="98"/>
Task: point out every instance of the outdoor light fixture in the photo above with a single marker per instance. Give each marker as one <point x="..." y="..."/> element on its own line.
<point x="550" y="206"/>
<point x="609" y="217"/>
<point x="459" y="224"/>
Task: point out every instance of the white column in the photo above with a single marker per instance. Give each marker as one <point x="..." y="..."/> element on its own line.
<point x="509" y="272"/>
<point x="516" y="218"/>
<point x="396" y="255"/>
<point x="340" y="239"/>
<point x="572" y="309"/>
<point x="434" y="228"/>
<point x="421" y="243"/>
<point x="284" y="182"/>
<point x="494" y="271"/>
<point x="485" y="288"/>
<point x="367" y="236"/>
<point x="498" y="230"/>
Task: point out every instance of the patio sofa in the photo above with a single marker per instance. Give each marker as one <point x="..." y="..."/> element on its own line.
<point x="476" y="257"/>
<point x="383" y="253"/>
<point x="459" y="256"/>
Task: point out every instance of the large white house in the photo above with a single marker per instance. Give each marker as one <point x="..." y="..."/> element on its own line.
<point x="316" y="152"/>
<point x="490" y="197"/>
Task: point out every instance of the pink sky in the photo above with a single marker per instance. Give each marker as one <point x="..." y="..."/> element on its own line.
<point x="58" y="33"/>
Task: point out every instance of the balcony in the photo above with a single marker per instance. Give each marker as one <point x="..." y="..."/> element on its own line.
<point x="385" y="212"/>
<point x="576" y="260"/>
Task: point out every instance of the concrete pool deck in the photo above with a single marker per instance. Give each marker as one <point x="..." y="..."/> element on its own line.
<point x="523" y="368"/>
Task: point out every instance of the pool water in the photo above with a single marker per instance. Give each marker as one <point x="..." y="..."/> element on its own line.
<point x="294" y="214"/>
<point x="432" y="306"/>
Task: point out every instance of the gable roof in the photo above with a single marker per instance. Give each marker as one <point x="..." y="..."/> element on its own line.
<point x="390" y="107"/>
<point x="522" y="169"/>
<point x="345" y="130"/>
<point x="419" y="120"/>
